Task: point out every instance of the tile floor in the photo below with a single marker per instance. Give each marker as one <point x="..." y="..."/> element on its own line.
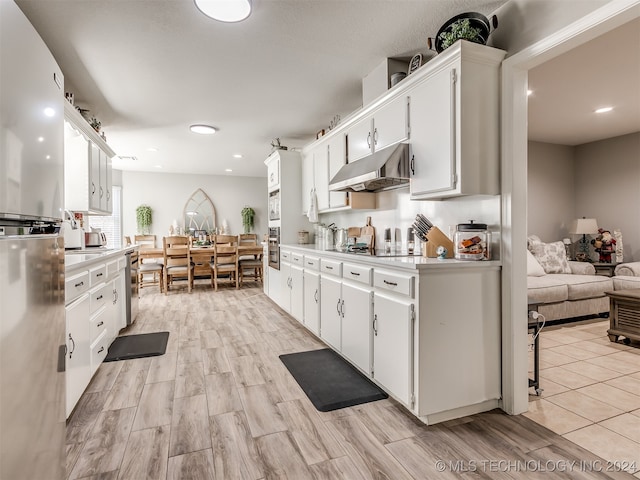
<point x="591" y="390"/>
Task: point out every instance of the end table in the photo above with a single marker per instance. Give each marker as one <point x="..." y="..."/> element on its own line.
<point x="624" y="318"/>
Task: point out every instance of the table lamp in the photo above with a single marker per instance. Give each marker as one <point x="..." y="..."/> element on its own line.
<point x="584" y="226"/>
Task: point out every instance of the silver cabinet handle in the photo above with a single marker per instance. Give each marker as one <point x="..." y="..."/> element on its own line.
<point x="342" y="309"/>
<point x="315" y="295"/>
<point x="375" y="136"/>
<point x="338" y="308"/>
<point x="108" y="194"/>
<point x="390" y="283"/>
<point x="101" y="192"/>
<point x="369" y="140"/>
<point x="375" y="325"/>
<point x="73" y="343"/>
<point x="93" y="188"/>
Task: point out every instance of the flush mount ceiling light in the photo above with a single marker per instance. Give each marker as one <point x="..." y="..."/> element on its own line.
<point x="237" y="155"/>
<point x="604" y="109"/>
<point x="203" y="129"/>
<point x="225" y="10"/>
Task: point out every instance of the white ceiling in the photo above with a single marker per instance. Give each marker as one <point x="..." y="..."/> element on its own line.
<point x="567" y="90"/>
<point x="147" y="69"/>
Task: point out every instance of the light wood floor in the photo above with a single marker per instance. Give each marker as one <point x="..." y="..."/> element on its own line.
<point x="220" y="405"/>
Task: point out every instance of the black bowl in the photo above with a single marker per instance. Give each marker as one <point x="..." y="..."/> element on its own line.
<point x="476" y="20"/>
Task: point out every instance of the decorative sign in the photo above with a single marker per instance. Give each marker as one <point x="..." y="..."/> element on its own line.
<point x="415" y="63"/>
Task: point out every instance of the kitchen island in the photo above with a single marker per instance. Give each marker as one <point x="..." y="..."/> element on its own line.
<point x="425" y="330"/>
<point x="97" y="281"/>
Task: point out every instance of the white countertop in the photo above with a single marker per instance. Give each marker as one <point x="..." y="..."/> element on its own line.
<point x="78" y="259"/>
<point x="414" y="262"/>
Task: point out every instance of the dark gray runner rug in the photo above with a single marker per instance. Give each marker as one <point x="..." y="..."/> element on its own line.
<point x="138" y="346"/>
<point x="329" y="381"/>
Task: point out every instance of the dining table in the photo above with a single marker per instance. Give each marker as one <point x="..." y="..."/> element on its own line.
<point x="205" y="250"/>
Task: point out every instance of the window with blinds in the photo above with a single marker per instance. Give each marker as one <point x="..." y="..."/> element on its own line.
<point x="111" y="225"/>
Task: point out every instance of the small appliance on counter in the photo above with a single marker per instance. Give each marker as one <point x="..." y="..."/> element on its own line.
<point x="95" y="238"/>
<point x="73" y="234"/>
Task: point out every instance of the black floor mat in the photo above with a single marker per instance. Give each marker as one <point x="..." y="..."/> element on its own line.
<point x="329" y="381"/>
<point x="138" y="346"/>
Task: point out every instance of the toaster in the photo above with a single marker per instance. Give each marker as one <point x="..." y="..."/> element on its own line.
<point x="95" y="239"/>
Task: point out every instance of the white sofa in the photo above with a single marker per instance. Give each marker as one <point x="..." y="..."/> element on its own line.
<point x="566" y="289"/>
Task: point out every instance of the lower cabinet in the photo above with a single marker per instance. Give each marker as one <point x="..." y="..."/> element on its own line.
<point x="311" y="300"/>
<point x="356" y="325"/>
<point x="291" y="287"/>
<point x="393" y="321"/>
<point x="331" y="316"/>
<point x="78" y="363"/>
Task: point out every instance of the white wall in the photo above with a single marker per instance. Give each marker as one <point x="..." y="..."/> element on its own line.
<point x="608" y="187"/>
<point x="396" y="211"/>
<point x="167" y="194"/>
<point x="551" y="190"/>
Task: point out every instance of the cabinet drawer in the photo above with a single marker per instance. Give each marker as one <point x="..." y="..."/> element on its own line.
<point x="99" y="351"/>
<point x="99" y="296"/>
<point x="97" y="275"/>
<point x="98" y="324"/>
<point x="357" y="273"/>
<point x="112" y="269"/>
<point x="312" y="263"/>
<point x="122" y="262"/>
<point x="297" y="259"/>
<point x="285" y="255"/>
<point x="331" y="267"/>
<point x="398" y="283"/>
<point x="75" y="286"/>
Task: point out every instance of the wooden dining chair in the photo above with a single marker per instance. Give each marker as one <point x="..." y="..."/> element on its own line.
<point x="177" y="261"/>
<point x="225" y="259"/>
<point x="201" y="261"/>
<point x="127" y="240"/>
<point x="251" y="263"/>
<point x="150" y="270"/>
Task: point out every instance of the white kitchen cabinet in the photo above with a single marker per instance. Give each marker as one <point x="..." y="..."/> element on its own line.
<point x="311" y="300"/>
<point x="331" y="315"/>
<point x="356" y="309"/>
<point x="321" y="175"/>
<point x="307" y="181"/>
<point x="393" y="320"/>
<point x="455" y="115"/>
<point x="78" y="364"/>
<point x="87" y="166"/>
<point x="337" y="158"/>
<point x="383" y="127"/>
<point x="273" y="173"/>
<point x="291" y="284"/>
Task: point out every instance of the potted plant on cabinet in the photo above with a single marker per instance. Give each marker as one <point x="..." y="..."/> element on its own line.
<point x="143" y="219"/>
<point x="247" y="218"/>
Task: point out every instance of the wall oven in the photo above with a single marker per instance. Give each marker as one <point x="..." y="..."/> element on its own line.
<point x="274" y="247"/>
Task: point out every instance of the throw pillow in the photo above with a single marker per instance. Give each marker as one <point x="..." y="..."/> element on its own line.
<point x="532" y="240"/>
<point x="551" y="256"/>
<point x="534" y="269"/>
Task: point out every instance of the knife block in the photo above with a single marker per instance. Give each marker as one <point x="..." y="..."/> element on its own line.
<point x="436" y="238"/>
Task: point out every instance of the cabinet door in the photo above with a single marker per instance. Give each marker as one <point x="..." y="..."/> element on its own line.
<point x="77" y="184"/>
<point x="433" y="134"/>
<point x="359" y="139"/>
<point x="311" y="287"/>
<point x="285" y="286"/>
<point x="103" y="181"/>
<point x="337" y="158"/>
<point x="94" y="177"/>
<point x="78" y="366"/>
<point x="273" y="173"/>
<point x="356" y="325"/>
<point x="321" y="175"/>
<point x="393" y="345"/>
<point x="331" y="319"/>
<point x="307" y="181"/>
<point x="109" y="185"/>
<point x="390" y="123"/>
<point x="296" y="290"/>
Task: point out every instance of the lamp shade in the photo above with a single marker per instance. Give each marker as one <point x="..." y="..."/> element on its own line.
<point x="584" y="226"/>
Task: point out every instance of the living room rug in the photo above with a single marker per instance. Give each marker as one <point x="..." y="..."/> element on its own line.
<point x="329" y="381"/>
<point x="138" y="346"/>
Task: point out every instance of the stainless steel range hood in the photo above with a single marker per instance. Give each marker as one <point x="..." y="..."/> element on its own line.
<point x="387" y="168"/>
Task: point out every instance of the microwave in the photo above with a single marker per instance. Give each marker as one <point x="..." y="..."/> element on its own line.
<point x="274" y="205"/>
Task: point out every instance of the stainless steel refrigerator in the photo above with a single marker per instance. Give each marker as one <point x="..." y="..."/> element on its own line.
<point x="32" y="315"/>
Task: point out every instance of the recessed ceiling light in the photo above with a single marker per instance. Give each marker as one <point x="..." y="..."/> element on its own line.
<point x="152" y="149"/>
<point x="228" y="170"/>
<point x="225" y="10"/>
<point x="529" y="92"/>
<point x="237" y="155"/>
<point x="49" y="112"/>
<point x="604" y="109"/>
<point x="41" y="139"/>
<point x="203" y="129"/>
<point x="158" y="166"/>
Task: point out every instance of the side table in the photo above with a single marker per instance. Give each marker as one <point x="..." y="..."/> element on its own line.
<point x="624" y="317"/>
<point x="534" y="327"/>
<point x="607" y="269"/>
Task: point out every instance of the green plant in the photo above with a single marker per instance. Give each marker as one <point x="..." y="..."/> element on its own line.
<point x="247" y="218"/>
<point x="461" y="29"/>
<point x="95" y="124"/>
<point x="143" y="219"/>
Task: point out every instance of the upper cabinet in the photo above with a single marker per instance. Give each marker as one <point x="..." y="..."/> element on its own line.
<point x="87" y="167"/>
<point x="455" y="124"/>
<point x="385" y="126"/>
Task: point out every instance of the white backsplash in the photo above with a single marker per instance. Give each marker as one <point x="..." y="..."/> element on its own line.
<point x="395" y="210"/>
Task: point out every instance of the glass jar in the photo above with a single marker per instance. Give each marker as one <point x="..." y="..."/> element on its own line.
<point x="472" y="241"/>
